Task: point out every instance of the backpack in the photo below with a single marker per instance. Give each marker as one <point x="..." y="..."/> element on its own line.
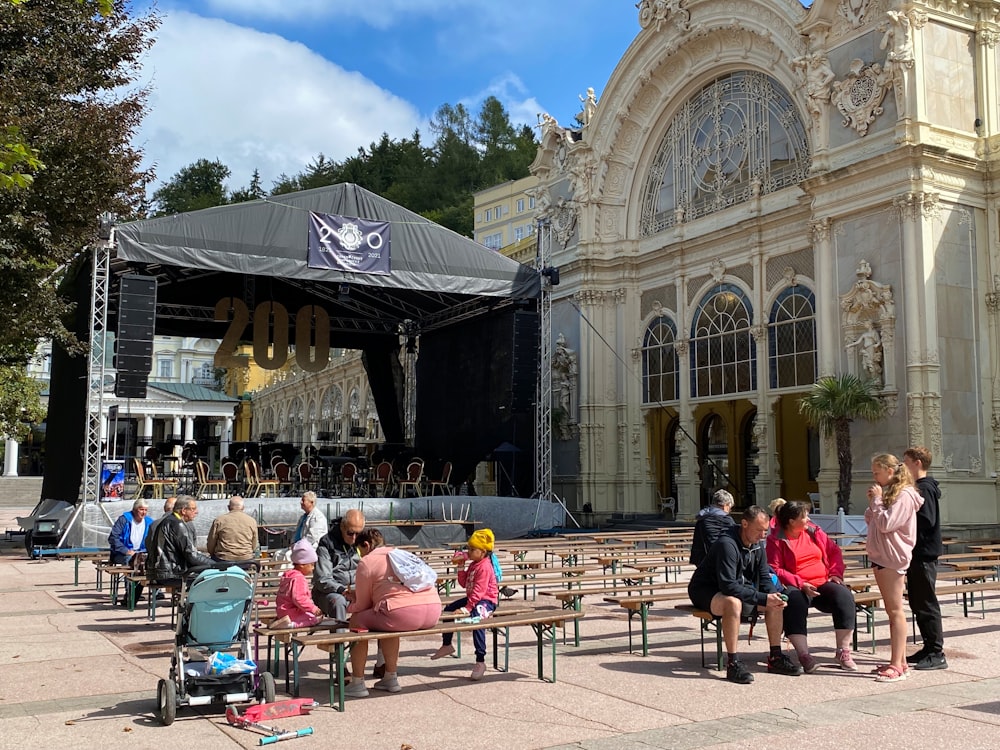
<point x="411" y="571"/>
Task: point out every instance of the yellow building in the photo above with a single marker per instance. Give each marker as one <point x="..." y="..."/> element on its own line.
<point x="505" y="214"/>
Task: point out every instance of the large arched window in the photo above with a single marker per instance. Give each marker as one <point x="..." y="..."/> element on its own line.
<point x="739" y="137"/>
<point x="722" y="347"/>
<point x="659" y="362"/>
<point x="791" y="338"/>
<point x="337" y="427"/>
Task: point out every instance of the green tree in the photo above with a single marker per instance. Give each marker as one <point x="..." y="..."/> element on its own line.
<point x="19" y="403"/>
<point x="831" y="405"/>
<point x="196" y="186"/>
<point x="253" y="192"/>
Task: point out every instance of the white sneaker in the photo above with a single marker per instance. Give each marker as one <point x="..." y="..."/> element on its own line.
<point x="478" y="671"/>
<point x="391" y="684"/>
<point x="443" y="652"/>
<point x="356" y="689"/>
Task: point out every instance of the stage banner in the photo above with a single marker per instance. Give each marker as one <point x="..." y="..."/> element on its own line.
<point x="112" y="480"/>
<point x="343" y="243"/>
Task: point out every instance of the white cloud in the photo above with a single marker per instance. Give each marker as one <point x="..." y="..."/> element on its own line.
<point x="255" y="100"/>
<point x="380" y="14"/>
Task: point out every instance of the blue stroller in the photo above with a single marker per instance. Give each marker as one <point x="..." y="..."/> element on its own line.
<point x="213" y="622"/>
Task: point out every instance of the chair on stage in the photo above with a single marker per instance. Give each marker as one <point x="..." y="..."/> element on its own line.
<point x="348" y="475"/>
<point x="307" y="476"/>
<point x="257" y="485"/>
<point x="231" y="474"/>
<point x="283" y="474"/>
<point x="380" y="484"/>
<point x="206" y="483"/>
<point x="443" y="482"/>
<point x="144" y="480"/>
<point x="414" y="476"/>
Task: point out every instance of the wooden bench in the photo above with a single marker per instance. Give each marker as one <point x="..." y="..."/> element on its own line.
<point x="78" y="554"/>
<point x="542" y="621"/>
<point x="640" y="604"/>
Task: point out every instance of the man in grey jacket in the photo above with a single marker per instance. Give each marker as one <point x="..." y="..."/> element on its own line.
<point x="336" y="565"/>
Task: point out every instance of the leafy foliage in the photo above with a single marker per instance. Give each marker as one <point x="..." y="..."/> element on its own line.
<point x="200" y="185"/>
<point x="830" y="406"/>
<point x="68" y="101"/>
<point x="19" y="404"/>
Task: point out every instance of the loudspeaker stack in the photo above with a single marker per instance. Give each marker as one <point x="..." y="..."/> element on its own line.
<point x="134" y="343"/>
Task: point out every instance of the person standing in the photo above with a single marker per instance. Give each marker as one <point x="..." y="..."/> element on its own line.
<point x="921" y="576"/>
<point x="712" y="521"/>
<point x="891" y="516"/>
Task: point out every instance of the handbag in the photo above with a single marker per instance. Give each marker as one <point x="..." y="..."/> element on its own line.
<point x="411" y="571"/>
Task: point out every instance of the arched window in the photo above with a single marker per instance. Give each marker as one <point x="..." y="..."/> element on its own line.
<point x="326" y="411"/>
<point x="659" y="362"/>
<point x="337" y="430"/>
<point x="355" y="409"/>
<point x="739" y="137"/>
<point x="791" y="338"/>
<point x="722" y="347"/>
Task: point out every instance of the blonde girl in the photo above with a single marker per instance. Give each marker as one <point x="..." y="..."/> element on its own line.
<point x="893" y="502"/>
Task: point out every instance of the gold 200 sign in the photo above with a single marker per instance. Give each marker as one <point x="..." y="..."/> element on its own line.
<point x="270" y="335"/>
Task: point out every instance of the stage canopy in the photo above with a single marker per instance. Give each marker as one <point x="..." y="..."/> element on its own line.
<point x="260" y="255"/>
<point x="434" y="275"/>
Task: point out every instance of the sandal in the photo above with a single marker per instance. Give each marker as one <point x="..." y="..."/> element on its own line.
<point x="892" y="674"/>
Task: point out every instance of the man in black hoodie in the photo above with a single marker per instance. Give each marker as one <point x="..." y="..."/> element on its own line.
<point x="734" y="582"/>
<point x="921" y="577"/>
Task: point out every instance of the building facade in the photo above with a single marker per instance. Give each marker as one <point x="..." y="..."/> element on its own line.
<point x="763" y="195"/>
<point x="505" y="213"/>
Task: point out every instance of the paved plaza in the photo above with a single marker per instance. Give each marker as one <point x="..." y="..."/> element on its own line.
<point x="76" y="672"/>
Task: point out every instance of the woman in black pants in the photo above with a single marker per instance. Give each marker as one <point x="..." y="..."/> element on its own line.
<point x="811" y="567"/>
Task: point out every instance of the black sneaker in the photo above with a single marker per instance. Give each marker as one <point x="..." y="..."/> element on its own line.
<point x="781" y="664"/>
<point x="736" y="672"/>
<point x="932" y="661"/>
<point x="379" y="671"/>
<point x="918" y="656"/>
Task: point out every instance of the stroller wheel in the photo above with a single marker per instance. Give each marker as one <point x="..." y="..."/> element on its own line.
<point x="166" y="701"/>
<point x="267" y="691"/>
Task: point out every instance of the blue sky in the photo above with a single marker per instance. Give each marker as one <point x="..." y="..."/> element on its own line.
<point x="269" y="84"/>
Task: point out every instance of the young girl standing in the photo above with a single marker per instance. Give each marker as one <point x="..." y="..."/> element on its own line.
<point x="893" y="502"/>
<point x="295" y="607"/>
<point x="482" y="595"/>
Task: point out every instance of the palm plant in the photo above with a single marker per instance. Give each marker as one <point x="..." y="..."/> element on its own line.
<point x="832" y="404"/>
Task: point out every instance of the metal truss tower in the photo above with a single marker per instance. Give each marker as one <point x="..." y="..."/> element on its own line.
<point x="100" y="289"/>
<point x="543" y="391"/>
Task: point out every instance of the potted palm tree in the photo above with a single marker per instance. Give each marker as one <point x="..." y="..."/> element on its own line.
<point x="833" y="403"/>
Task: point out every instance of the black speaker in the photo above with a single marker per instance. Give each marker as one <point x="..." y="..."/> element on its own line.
<point x="130" y="385"/>
<point x="524" y="366"/>
<point x="134" y="341"/>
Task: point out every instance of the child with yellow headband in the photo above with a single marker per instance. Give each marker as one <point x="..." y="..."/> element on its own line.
<point x="482" y="594"/>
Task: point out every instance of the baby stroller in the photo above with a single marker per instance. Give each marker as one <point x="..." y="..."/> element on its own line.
<point x="213" y="623"/>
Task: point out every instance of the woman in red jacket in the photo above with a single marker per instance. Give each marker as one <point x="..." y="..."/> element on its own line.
<point x="811" y="567"/>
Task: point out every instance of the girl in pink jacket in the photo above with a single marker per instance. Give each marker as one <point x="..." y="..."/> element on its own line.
<point x="482" y="594"/>
<point x="295" y="607"/>
<point x="893" y="502"/>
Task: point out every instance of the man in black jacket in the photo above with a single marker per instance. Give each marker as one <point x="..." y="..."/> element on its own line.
<point x="712" y="521"/>
<point x="921" y="576"/>
<point x="734" y="582"/>
<point x="171" y="551"/>
<point x="337" y="564"/>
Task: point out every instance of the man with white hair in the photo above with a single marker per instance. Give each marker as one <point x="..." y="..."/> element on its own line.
<point x="233" y="536"/>
<point x="128" y="538"/>
<point x="712" y="521"/>
<point x="312" y="524"/>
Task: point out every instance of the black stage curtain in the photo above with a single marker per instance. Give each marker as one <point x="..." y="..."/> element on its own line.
<point x="385" y="376"/>
<point x="65" y="433"/>
<point x="466" y="398"/>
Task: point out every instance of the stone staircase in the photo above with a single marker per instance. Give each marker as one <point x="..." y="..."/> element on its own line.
<point x="20" y="492"/>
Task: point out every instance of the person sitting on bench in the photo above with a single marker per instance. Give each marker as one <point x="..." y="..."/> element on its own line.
<point x="733" y="583"/>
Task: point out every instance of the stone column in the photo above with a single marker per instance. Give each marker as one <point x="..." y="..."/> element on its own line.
<point x="827" y="320"/>
<point x="227" y="436"/>
<point x="10" y="458"/>
<point x="147" y="430"/>
<point x="175" y="429"/>
<point x="188" y="429"/>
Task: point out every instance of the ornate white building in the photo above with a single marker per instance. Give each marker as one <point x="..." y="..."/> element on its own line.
<point x="765" y="194"/>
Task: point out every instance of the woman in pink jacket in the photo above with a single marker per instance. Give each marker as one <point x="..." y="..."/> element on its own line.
<point x="811" y="567"/>
<point x="893" y="502"/>
<point x="380" y="602"/>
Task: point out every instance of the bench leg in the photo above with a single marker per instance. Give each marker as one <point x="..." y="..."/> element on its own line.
<point x="295" y="670"/>
<point x="541" y="629"/>
<point x="644" y="615"/>
<point x="341" y="658"/>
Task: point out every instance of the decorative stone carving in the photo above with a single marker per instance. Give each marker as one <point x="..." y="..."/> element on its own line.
<point x="718" y="269"/>
<point x="563" y="217"/>
<point x="993" y="297"/>
<point x="897" y="38"/>
<point x="817" y="76"/>
<point x="682" y="346"/>
<point x="820" y="229"/>
<point x="788" y="273"/>
<point x="565" y="375"/>
<point x="987" y="35"/>
<point x="657" y="12"/>
<point x="759" y="333"/>
<point x="854" y="11"/>
<point x="589" y="106"/>
<point x="859" y="96"/>
<point x="868" y="319"/>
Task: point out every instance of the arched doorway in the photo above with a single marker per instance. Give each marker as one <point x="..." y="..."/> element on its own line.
<point x="713" y="456"/>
